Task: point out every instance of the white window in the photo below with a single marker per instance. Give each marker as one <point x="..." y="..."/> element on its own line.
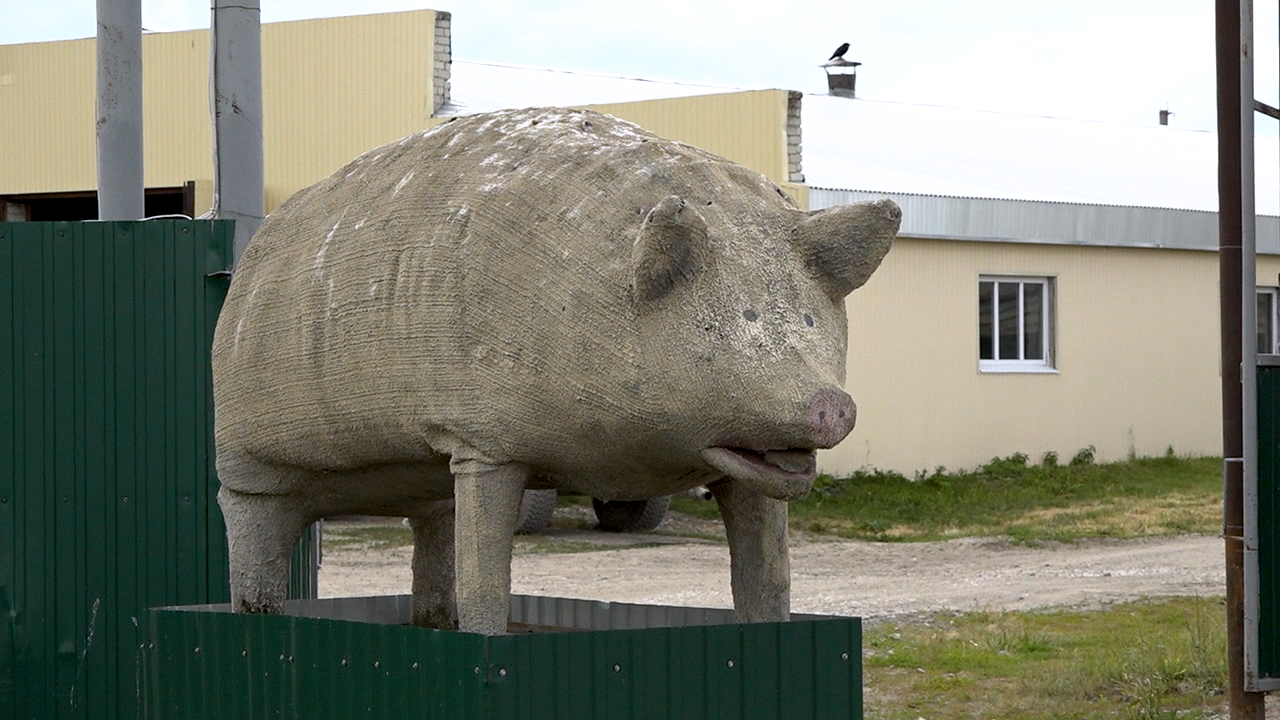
<point x="1015" y="324"/>
<point x="1268" y="343"/>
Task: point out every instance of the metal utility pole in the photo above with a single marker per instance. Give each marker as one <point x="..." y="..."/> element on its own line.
<point x="119" y="122"/>
<point x="1236" y="238"/>
<point x="235" y="99"/>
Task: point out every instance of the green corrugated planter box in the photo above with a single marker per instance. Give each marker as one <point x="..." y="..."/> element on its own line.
<point x="566" y="659"/>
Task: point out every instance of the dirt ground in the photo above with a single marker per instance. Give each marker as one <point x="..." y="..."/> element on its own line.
<point x="876" y="581"/>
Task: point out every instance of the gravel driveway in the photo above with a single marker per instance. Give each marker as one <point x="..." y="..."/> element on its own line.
<point x="871" y="580"/>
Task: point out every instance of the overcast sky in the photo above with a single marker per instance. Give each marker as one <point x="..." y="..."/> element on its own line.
<point x="1110" y="60"/>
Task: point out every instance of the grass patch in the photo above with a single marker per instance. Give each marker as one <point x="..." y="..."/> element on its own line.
<point x="1144" y="660"/>
<point x="1012" y="496"/>
<point x="1029" y="502"/>
<point x="382" y="536"/>
<point x="547" y="545"/>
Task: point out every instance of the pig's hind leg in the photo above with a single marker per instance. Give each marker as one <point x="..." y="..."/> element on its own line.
<point x="434" y="598"/>
<point x="262" y="531"/>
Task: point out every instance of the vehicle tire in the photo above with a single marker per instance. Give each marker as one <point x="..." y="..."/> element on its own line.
<point x="631" y="515"/>
<point x="535" y="511"/>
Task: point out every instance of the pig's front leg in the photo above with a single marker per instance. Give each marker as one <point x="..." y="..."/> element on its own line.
<point x="759" y="566"/>
<point x="486" y="505"/>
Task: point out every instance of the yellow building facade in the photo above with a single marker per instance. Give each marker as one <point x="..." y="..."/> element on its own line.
<point x="1136" y="368"/>
<point x="326" y="99"/>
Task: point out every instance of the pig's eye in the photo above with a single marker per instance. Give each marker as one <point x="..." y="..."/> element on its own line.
<point x="808" y="319"/>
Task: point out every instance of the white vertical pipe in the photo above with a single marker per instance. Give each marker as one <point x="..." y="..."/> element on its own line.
<point x="235" y="99"/>
<point x="119" y="110"/>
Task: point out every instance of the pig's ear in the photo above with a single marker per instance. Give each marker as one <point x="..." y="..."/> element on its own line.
<point x="669" y="249"/>
<point x="843" y="245"/>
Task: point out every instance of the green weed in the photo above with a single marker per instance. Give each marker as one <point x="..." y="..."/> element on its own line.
<point x="376" y="535"/>
<point x="1029" y="502"/>
<point x="1146" y="660"/>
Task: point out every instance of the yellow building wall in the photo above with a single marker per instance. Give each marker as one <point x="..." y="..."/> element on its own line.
<point x="1136" y="354"/>
<point x="47" y="117"/>
<point x="324" y="109"/>
<point x="332" y="89"/>
<point x="177" y="128"/>
<point x="749" y="128"/>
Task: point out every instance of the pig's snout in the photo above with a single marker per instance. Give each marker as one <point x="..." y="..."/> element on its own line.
<point x="830" y="417"/>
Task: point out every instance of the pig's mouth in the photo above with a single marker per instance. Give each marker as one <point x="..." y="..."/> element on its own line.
<point x="780" y="474"/>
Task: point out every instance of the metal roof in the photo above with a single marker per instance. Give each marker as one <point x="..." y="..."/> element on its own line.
<point x="1054" y="223"/>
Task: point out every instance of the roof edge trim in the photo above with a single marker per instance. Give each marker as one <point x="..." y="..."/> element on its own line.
<point x="1051" y="223"/>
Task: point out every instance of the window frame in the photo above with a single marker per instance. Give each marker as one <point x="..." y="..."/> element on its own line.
<point x="1048" y="325"/>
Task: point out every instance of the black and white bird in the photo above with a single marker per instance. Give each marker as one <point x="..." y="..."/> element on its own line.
<point x="839" y="53"/>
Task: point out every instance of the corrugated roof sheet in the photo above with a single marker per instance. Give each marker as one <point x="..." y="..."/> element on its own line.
<point x="1035" y="221"/>
<point x="890" y="147"/>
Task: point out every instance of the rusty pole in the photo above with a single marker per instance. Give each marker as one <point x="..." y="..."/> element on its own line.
<point x="1231" y="55"/>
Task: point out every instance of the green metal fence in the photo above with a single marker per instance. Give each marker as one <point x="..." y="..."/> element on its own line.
<point x="1268" y="523"/>
<point x="107" y="483"/>
<point x="106" y="463"/>
<point x="576" y="659"/>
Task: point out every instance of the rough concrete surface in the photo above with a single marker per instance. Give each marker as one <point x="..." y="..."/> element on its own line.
<point x="871" y="580"/>
<point x="535" y="298"/>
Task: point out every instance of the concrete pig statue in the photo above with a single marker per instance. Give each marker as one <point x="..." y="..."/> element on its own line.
<point x="531" y="299"/>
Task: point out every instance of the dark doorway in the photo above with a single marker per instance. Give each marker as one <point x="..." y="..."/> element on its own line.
<point x="83" y="205"/>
